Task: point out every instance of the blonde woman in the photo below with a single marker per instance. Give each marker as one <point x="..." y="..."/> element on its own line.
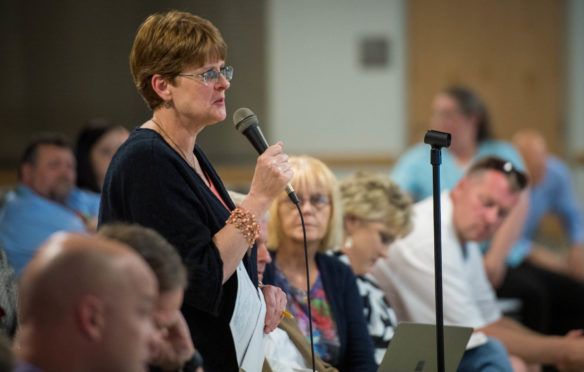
<point x="375" y="212"/>
<point x="339" y="329"/>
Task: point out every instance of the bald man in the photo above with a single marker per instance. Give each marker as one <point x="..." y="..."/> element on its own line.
<point x="550" y="287"/>
<point x="85" y="305"/>
<point x="553" y="193"/>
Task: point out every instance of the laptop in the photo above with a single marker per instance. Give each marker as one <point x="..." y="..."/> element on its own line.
<point x="413" y="348"/>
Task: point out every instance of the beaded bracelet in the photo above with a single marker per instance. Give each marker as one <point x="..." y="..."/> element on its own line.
<point x="246" y="223"/>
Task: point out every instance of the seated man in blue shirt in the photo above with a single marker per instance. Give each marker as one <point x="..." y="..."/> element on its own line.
<point x="549" y="286"/>
<point x="45" y="200"/>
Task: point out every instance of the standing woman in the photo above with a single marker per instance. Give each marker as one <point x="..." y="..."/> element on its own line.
<point x="161" y="179"/>
<point x="339" y="329"/>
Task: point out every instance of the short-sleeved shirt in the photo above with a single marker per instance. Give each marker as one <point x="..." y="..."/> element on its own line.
<point x="554" y="194"/>
<point x="406" y="275"/>
<point x="413" y="171"/>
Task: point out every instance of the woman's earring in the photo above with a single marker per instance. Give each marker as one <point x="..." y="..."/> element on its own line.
<point x="348" y="243"/>
<point x="167" y="104"/>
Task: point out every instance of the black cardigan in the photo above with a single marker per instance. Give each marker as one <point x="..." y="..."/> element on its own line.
<point x="150" y="184"/>
<point x="340" y="287"/>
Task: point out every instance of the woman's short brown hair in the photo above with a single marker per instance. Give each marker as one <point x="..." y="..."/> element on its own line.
<point x="167" y="43"/>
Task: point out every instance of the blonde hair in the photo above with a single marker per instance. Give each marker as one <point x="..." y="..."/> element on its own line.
<point x="371" y="196"/>
<point x="310" y="173"/>
<point x="167" y="43"/>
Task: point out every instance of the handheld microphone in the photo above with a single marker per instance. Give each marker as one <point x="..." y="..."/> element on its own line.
<point x="246" y="122"/>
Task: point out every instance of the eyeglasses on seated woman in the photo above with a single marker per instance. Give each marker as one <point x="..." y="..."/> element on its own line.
<point x="339" y="329"/>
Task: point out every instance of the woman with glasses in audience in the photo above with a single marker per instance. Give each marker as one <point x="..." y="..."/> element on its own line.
<point x="375" y="213"/>
<point x="461" y="112"/>
<point x="161" y="179"/>
<point x="339" y="328"/>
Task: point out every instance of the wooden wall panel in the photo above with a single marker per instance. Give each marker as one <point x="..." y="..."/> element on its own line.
<point x="511" y="52"/>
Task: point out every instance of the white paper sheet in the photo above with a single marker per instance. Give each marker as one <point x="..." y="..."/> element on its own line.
<point x="247" y="323"/>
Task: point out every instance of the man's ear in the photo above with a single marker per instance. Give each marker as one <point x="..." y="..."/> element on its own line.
<point x="26" y="171"/>
<point x="91" y="317"/>
<point x="160" y="86"/>
<point x="461" y="186"/>
<point x="350" y="223"/>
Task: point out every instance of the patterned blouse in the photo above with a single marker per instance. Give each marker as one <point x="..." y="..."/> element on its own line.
<point x="324" y="329"/>
<point x="380" y="317"/>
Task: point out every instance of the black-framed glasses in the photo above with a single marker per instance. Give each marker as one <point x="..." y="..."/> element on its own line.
<point x="212" y="76"/>
<point x="318" y="201"/>
<point x="503" y="166"/>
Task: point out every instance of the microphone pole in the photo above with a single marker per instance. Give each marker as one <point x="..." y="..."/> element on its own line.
<point x="437" y="140"/>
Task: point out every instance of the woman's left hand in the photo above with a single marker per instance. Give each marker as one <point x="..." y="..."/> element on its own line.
<point x="275" y="303"/>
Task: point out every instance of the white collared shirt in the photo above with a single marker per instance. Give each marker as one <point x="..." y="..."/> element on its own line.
<point x="406" y="275"/>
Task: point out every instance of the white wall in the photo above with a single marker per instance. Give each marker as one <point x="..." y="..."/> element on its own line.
<point x="320" y="100"/>
<point x="575" y="87"/>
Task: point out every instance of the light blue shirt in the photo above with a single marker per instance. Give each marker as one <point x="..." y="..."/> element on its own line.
<point x="554" y="194"/>
<point x="28" y="219"/>
<point x="413" y="171"/>
<point x="25" y="367"/>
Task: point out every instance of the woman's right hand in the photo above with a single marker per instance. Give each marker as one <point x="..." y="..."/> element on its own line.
<point x="272" y="174"/>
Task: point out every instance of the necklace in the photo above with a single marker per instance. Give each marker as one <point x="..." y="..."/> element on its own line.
<point x="174" y="144"/>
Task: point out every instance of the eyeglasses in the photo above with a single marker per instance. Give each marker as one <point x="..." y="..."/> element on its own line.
<point x="212" y="76"/>
<point x="503" y="166"/>
<point x="318" y="201"/>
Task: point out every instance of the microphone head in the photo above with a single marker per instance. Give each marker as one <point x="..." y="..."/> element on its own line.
<point x="243" y="118"/>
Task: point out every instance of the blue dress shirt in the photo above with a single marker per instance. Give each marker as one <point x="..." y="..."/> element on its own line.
<point x="25" y="367"/>
<point x="28" y="219"/>
<point x="554" y="194"/>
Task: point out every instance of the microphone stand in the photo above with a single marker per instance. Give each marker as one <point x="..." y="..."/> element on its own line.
<point x="297" y="203"/>
<point x="437" y="140"/>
